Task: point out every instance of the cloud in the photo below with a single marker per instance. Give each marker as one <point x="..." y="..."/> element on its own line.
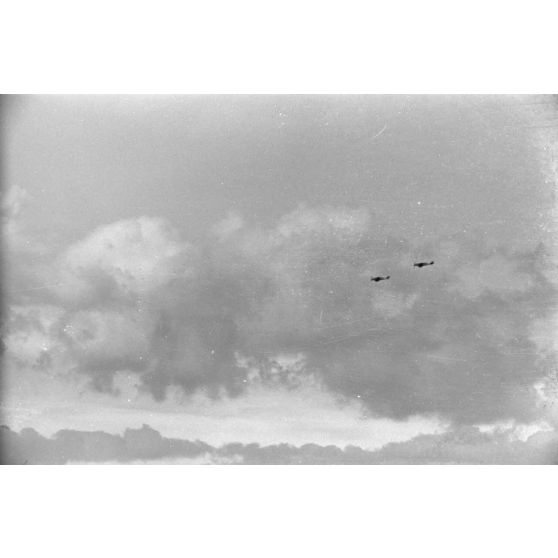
<point x="227" y="227"/>
<point x="495" y="274"/>
<point x="466" y="445"/>
<point x="131" y="257"/>
<point x="470" y="445"/>
<point x="133" y="297"/>
<point x="72" y="445"/>
<point x="31" y="338"/>
<point x="102" y="342"/>
<point x="414" y="345"/>
<point x="14" y="223"/>
<point x="454" y="341"/>
<point x="13" y="202"/>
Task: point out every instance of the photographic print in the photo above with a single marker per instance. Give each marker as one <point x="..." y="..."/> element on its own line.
<point x="279" y="279"/>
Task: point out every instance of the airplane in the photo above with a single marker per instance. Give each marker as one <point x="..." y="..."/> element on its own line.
<point x="376" y="279"/>
<point x="422" y="264"/>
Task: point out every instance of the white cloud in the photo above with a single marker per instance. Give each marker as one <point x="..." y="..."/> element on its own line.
<point x="228" y="226"/>
<point x="138" y="255"/>
<point x="15" y="200"/>
<point x="495" y="274"/>
<point x="328" y="221"/>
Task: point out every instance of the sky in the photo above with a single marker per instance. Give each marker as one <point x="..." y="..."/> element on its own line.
<point x="183" y="270"/>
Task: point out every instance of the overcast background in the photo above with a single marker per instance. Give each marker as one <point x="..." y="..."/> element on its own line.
<point x="185" y="268"/>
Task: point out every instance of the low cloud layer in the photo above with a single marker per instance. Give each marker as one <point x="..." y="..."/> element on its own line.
<point x="466" y="445"/>
<point x="456" y="340"/>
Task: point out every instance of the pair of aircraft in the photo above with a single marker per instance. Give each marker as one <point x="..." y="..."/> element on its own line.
<point x="419" y="265"/>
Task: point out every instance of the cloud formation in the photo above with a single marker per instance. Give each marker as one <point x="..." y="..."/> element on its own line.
<point x="13" y="202"/>
<point x="454" y="340"/>
<point x="466" y="445"/>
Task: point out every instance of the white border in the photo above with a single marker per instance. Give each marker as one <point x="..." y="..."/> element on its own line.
<point x="302" y="46"/>
<point x="273" y="512"/>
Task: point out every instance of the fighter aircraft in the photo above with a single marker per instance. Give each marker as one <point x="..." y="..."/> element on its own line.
<point x="422" y="264"/>
<point x="376" y="279"/>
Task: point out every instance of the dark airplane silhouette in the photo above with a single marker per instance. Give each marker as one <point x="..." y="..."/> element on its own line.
<point x="376" y="279"/>
<point x="422" y="264"/>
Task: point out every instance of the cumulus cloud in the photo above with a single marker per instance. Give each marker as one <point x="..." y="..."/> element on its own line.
<point x="131" y="257"/>
<point x="454" y="340"/>
<point x="31" y="338"/>
<point x="14" y="222"/>
<point x="466" y="445"/>
<point x="13" y="202"/>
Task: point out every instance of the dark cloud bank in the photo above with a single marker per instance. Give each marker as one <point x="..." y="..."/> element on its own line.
<point x="458" y="340"/>
<point x="467" y="445"/>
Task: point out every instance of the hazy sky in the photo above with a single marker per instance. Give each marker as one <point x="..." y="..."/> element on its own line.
<point x="191" y="160"/>
<point x="201" y="265"/>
